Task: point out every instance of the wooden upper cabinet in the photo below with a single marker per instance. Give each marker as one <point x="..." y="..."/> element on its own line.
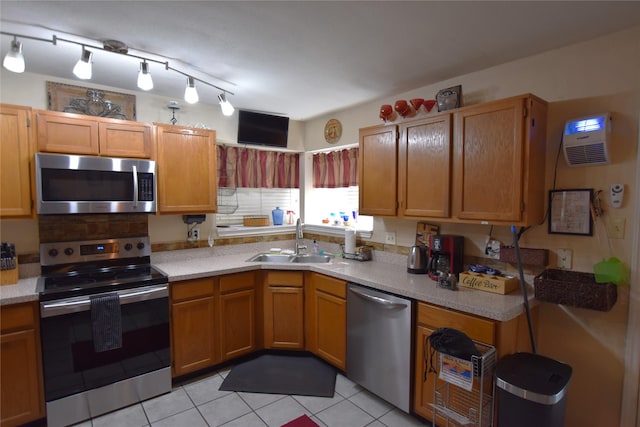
<point x="498" y="163"/>
<point x="424" y="167"/>
<point x="77" y="134"/>
<point x="126" y="139"/>
<point x="16" y="149"/>
<point x="377" y="169"/>
<point x="187" y="175"/>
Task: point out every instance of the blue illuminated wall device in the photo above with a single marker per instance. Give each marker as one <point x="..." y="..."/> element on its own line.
<point x="586" y="140"/>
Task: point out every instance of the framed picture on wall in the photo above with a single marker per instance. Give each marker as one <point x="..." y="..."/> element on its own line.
<point x="570" y="212"/>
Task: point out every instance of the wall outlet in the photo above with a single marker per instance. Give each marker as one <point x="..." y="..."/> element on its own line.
<point x="615" y="228"/>
<point x="390" y="238"/>
<point x="564" y="259"/>
<point x="193" y="235"/>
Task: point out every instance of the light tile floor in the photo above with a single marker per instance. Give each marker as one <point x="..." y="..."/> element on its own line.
<point x="198" y="402"/>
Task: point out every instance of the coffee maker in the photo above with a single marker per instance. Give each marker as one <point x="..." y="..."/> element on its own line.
<point x="446" y="253"/>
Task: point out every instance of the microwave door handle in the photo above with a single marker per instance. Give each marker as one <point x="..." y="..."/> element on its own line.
<point x="135" y="186"/>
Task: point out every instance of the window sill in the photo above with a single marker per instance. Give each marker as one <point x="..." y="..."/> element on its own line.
<point x="335" y="230"/>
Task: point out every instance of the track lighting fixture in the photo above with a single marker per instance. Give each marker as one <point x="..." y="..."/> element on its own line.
<point x="82" y="70"/>
<point x="225" y="105"/>
<point x="190" y="93"/>
<point x="145" y="82"/>
<point x="14" y="60"/>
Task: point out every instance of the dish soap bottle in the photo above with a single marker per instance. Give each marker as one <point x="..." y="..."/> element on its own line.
<point x="277" y="214"/>
<point x="315" y="248"/>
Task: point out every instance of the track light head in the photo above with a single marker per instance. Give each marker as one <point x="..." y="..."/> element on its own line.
<point x="190" y="93"/>
<point x="82" y="70"/>
<point x="225" y="105"/>
<point x="145" y="82"/>
<point x="14" y="60"/>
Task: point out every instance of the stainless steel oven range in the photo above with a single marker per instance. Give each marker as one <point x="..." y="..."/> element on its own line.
<point x="104" y="315"/>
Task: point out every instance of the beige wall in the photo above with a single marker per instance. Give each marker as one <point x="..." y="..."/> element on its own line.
<point x="600" y="75"/>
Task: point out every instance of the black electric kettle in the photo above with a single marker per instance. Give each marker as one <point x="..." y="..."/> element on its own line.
<point x="417" y="260"/>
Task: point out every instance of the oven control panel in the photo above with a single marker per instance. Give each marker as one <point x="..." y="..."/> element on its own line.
<point x="94" y="250"/>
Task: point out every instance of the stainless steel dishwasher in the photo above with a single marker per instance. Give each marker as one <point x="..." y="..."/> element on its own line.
<point x="379" y="343"/>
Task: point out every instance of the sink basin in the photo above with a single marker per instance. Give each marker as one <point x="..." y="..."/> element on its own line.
<point x="303" y="259"/>
<point x="306" y="259"/>
<point x="271" y="258"/>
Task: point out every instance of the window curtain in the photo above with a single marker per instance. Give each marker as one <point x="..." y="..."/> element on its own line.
<point x="251" y="168"/>
<point x="335" y="169"/>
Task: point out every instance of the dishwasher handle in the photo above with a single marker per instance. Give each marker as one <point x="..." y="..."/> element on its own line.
<point x="378" y="300"/>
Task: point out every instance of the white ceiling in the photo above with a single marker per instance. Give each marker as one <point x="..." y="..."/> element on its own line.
<point x="302" y="58"/>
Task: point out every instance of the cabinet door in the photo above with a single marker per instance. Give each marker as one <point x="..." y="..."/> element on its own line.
<point x="21" y="391"/>
<point x="125" y="139"/>
<point x="488" y="161"/>
<point x="378" y="170"/>
<point x="15" y="156"/>
<point x="424" y="167"/>
<point x="284" y="310"/>
<point x="67" y="133"/>
<point x="193" y="335"/>
<point x="19" y="383"/>
<point x="326" y="319"/>
<point x="186" y="162"/>
<point x="237" y="315"/>
<point x="424" y="381"/>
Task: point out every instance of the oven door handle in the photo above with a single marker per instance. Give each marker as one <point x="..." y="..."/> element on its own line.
<point x="127" y="296"/>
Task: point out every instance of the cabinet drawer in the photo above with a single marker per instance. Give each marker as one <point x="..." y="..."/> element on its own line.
<point x="19" y="316"/>
<point x="192" y="289"/>
<point x="476" y="328"/>
<point x="285" y="278"/>
<point x="329" y="285"/>
<point x="236" y="282"/>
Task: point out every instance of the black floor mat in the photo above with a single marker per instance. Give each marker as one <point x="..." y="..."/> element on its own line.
<point x="280" y="374"/>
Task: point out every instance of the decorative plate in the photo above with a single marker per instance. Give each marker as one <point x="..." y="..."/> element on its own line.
<point x="332" y="131"/>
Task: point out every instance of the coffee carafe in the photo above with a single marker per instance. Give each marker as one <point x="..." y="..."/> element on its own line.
<point x="446" y="253"/>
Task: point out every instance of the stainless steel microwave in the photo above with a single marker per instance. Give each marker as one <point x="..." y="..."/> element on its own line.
<point x="71" y="184"/>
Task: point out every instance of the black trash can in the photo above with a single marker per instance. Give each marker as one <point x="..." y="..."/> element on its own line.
<point x="532" y="390"/>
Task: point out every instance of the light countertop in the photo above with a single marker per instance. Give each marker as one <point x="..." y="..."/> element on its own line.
<point x="386" y="272"/>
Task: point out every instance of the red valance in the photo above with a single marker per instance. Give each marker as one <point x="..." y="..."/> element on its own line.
<point x="248" y="167"/>
<point x="336" y="169"/>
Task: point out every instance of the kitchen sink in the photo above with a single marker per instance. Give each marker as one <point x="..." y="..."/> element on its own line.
<point x="271" y="258"/>
<point x="302" y="259"/>
<point x="306" y="259"/>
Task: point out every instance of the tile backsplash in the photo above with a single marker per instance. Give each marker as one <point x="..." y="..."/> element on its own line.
<point x="66" y="228"/>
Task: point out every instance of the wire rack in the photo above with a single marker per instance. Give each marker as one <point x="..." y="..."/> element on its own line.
<point x="462" y="407"/>
<point x="227" y="200"/>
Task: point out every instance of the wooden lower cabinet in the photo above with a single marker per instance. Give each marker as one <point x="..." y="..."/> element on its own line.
<point x="283" y="294"/>
<point x="193" y="325"/>
<point x="21" y="389"/>
<point x="237" y="308"/>
<point x="326" y="318"/>
<point x="507" y="337"/>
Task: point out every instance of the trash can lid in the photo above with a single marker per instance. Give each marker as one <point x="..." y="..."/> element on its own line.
<point x="533" y="377"/>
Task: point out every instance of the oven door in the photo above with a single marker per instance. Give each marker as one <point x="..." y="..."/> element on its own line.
<point x="71" y="364"/>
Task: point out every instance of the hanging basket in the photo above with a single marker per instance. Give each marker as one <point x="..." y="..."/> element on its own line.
<point x="575" y="289"/>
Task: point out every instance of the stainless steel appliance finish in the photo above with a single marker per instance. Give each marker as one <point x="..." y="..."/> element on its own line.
<point x="417" y="260"/>
<point x="82" y="379"/>
<point x="72" y="184"/>
<point x="379" y="343"/>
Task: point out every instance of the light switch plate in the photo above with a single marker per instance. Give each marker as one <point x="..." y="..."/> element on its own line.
<point x="615" y="228"/>
<point x="390" y="238"/>
<point x="564" y="259"/>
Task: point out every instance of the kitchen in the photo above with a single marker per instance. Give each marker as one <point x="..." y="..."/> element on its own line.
<point x="599" y="335"/>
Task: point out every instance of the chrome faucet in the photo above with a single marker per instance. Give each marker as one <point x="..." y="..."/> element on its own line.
<point x="299" y="237"/>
